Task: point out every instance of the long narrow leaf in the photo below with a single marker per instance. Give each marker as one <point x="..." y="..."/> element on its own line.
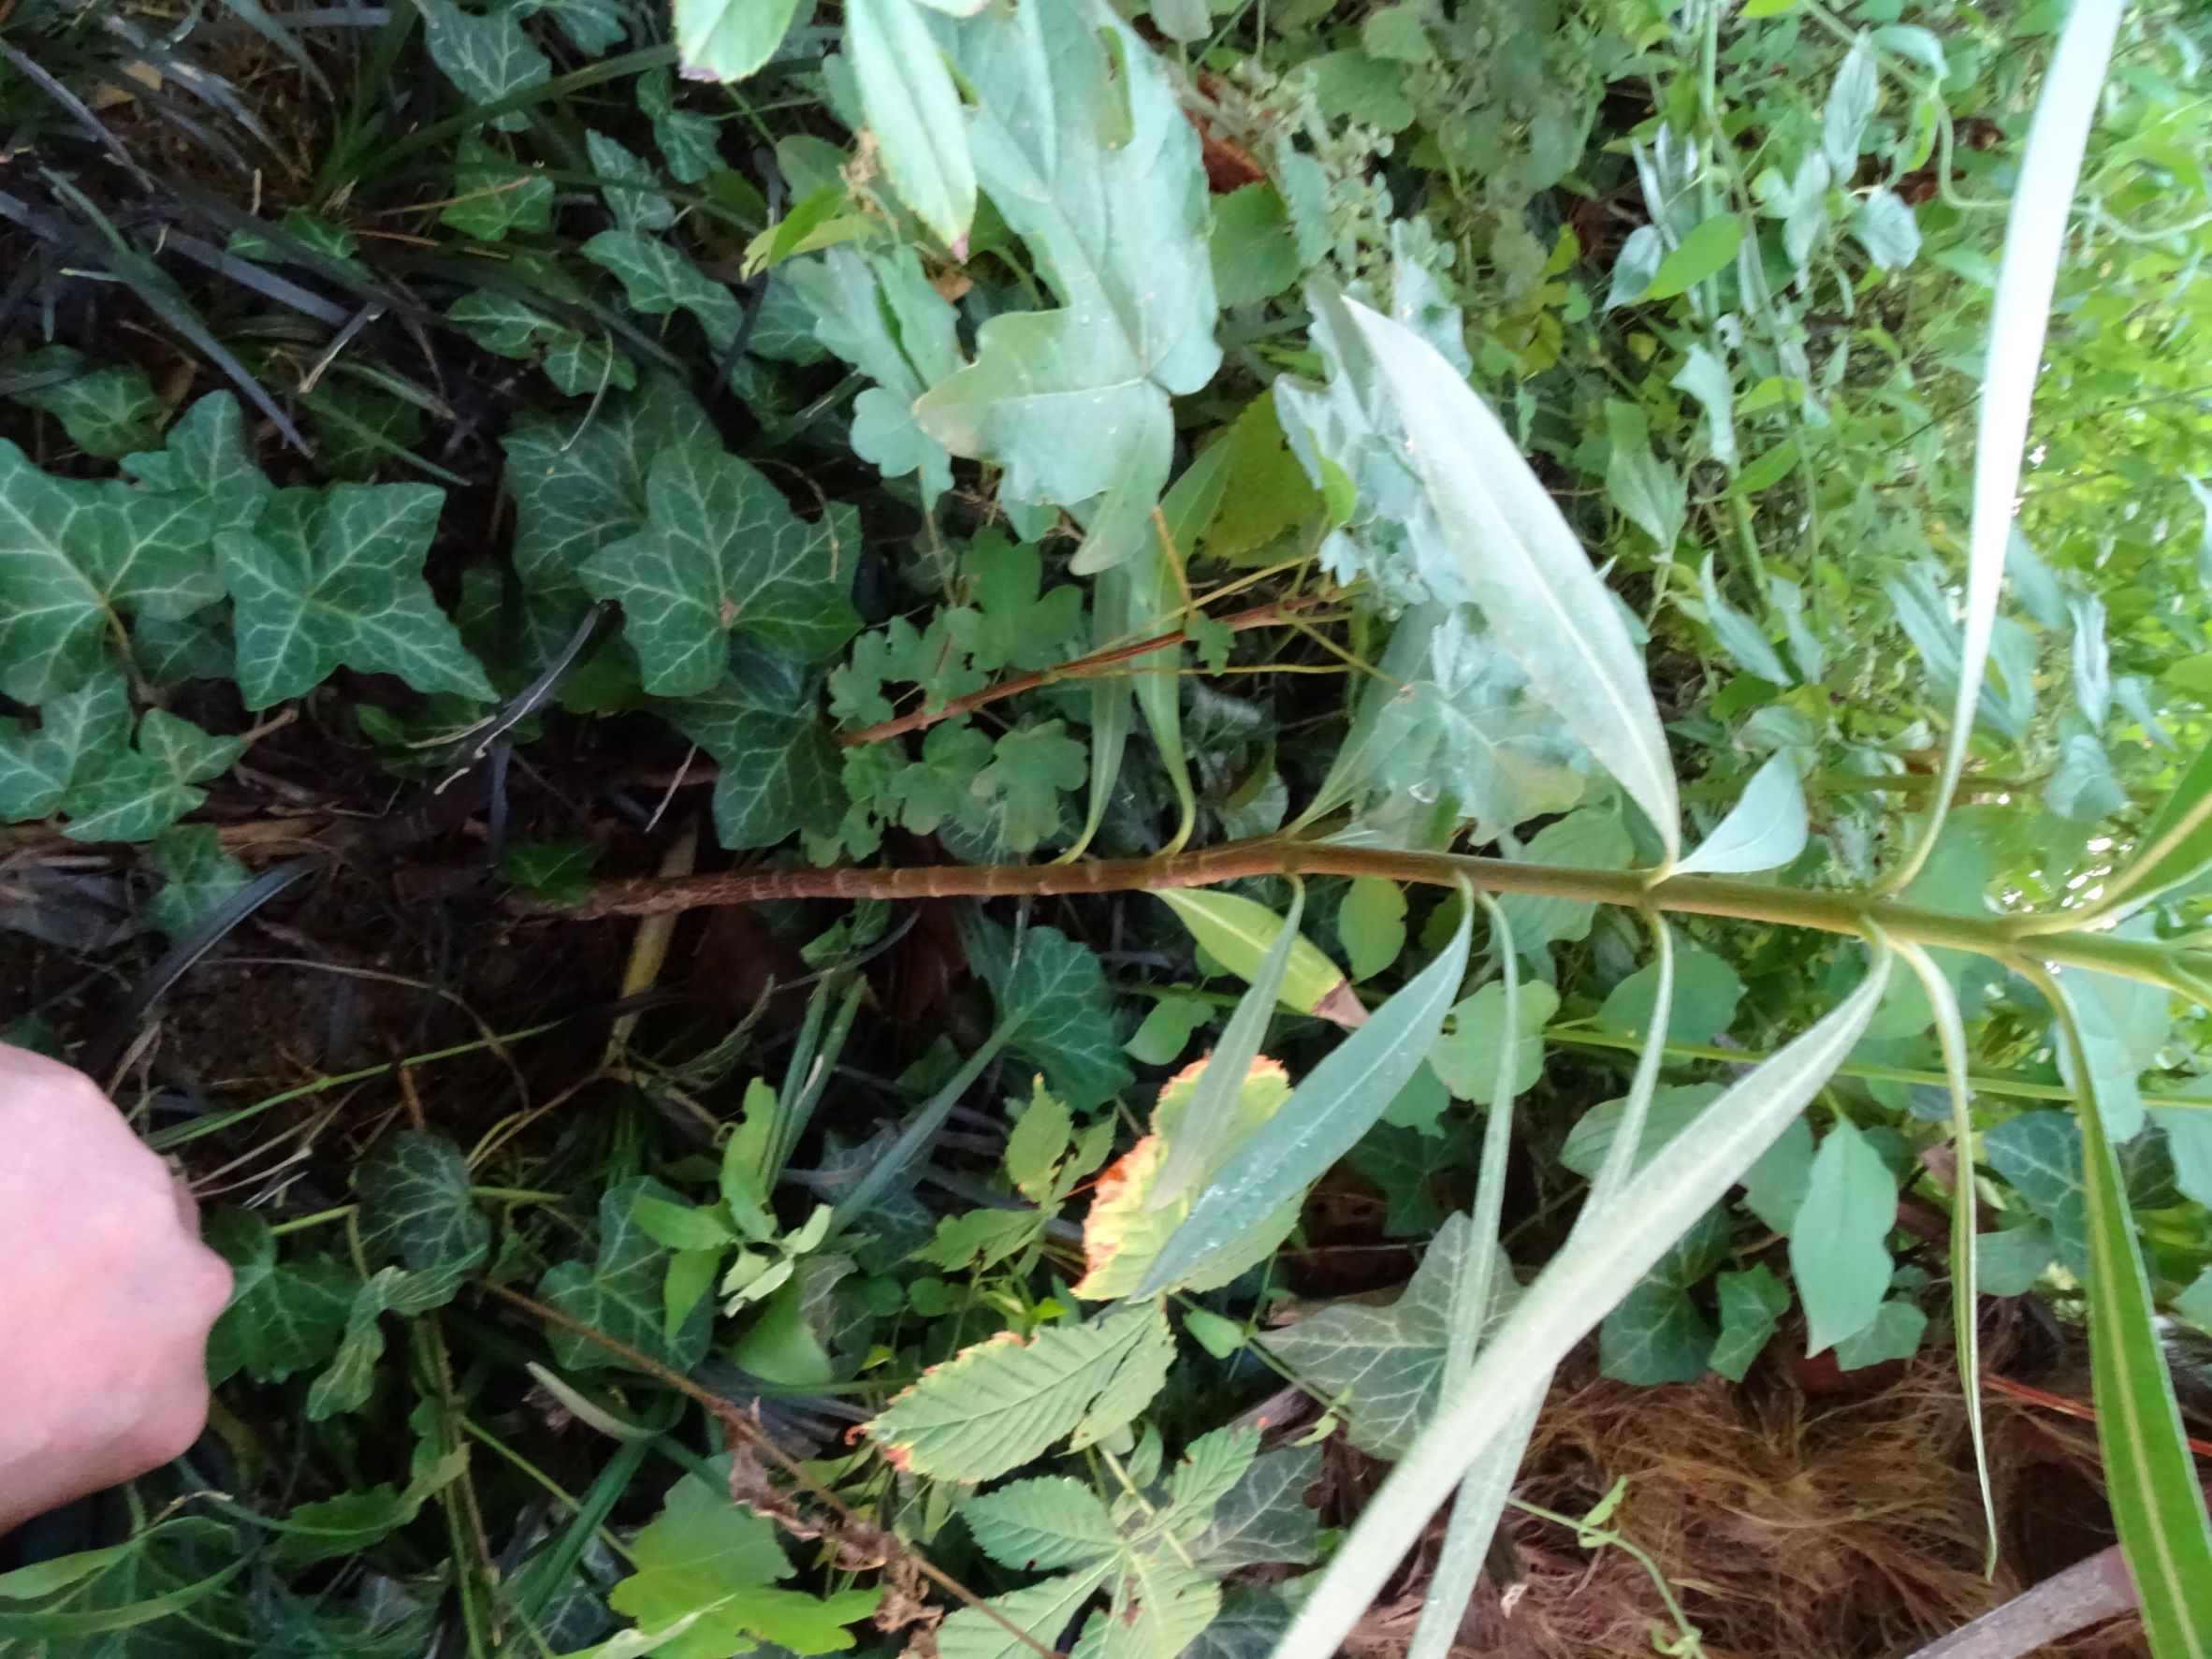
<point x="1589" y="1274"/>
<point x="1214" y="1102"/>
<point x="1523" y="566"/>
<point x="2150" y="1475"/>
<point x="1965" y="1293"/>
<point x="2034" y="235"/>
<point x="1327" y="1114"/>
<point x="1466" y="1540"/>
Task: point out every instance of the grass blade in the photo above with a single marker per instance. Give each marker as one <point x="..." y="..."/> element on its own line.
<point x="1336" y="1104"/>
<point x="2034" y="238"/>
<point x="2150" y="1475"/>
<point x="1592" y="1272"/>
<point x="1214" y="1102"/>
<point x="1965" y="1294"/>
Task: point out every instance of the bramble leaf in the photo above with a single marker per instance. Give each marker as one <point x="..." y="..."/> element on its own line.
<point x="1003" y="1403"/>
<point x="1041" y="1524"/>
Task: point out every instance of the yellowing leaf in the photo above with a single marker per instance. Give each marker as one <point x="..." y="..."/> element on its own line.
<point x="1238" y="932"/>
<point x="1123" y="1234"/>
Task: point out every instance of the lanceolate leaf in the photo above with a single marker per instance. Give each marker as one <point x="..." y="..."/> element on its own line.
<point x="2034" y="240"/>
<point x="2156" y="1500"/>
<point x="907" y="96"/>
<point x="1586" y="1278"/>
<point x="1043" y="1524"/>
<point x="1003" y="1403"/>
<point x="1326" y="1115"/>
<point x="1242" y="934"/>
<point x="1764" y="830"/>
<point x="1839" y="1249"/>
<point x="1517" y="560"/>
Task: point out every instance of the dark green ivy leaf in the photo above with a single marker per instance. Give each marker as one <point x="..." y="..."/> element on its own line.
<point x="283" y="1317"/>
<point x="619" y="1292"/>
<point x="1658" y="1335"/>
<point x="335" y="577"/>
<point x="777" y="767"/>
<point x="485" y="57"/>
<point x="107" y="412"/>
<point x="1052" y="992"/>
<point x="198" y="875"/>
<point x="415" y="1206"/>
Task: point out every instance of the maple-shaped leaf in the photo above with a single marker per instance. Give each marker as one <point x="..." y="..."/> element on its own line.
<point x="879" y="312"/>
<point x="658" y="281"/>
<point x="721" y="553"/>
<point x="1073" y="402"/>
<point x="132" y="794"/>
<point x="485" y="57"/>
<point x="1051" y="994"/>
<point x="578" y="482"/>
<point x="493" y="194"/>
<point x="1020" y="792"/>
<point x="209" y="454"/>
<point x="1127" y="1223"/>
<point x="81" y="761"/>
<point x="197" y="875"/>
<point x="777" y="768"/>
<point x="334" y="576"/>
<point x="1388" y="1360"/>
<point x="75" y="557"/>
<point x="107" y="412"/>
<point x="617" y="1292"/>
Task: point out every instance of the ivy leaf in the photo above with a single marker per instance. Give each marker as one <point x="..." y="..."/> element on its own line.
<point x="107" y="412"/>
<point x="1840" y="1242"/>
<point x="1893" y="1333"/>
<point x="485" y="57"/>
<point x="658" y="281"/>
<point x="721" y="553"/>
<point x="1003" y="1403"/>
<point x="207" y="455"/>
<point x="777" y="767"/>
<point x="197" y="875"/>
<point x="1388" y="1360"/>
<point x="74" y="556"/>
<point x="493" y="194"/>
<point x="579" y="485"/>
<point x="80" y="733"/>
<point x="619" y="1292"/>
<point x="1073" y="404"/>
<point x="594" y="27"/>
<point x="627" y="185"/>
<point x="1265" y="1517"/>
<point x="1043" y="1524"/>
<point x="1751" y="1304"/>
<point x="2039" y="1155"/>
<point x="1656" y="1333"/>
<point x="415" y="1206"/>
<point x="131" y="795"/>
<point x="1053" y="998"/>
<point x="283" y="1317"/>
<point x="689" y="141"/>
<point x="334" y="578"/>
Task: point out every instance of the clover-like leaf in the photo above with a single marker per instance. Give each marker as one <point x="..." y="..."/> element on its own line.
<point x="74" y="556"/>
<point x="1003" y="1403"/>
<point x="485" y="57"/>
<point x="334" y="578"/>
<point x="721" y="553"/>
<point x="415" y="1205"/>
<point x="777" y="767"/>
<point x="619" y="1292"/>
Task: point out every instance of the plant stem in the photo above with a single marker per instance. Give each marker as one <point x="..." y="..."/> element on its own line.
<point x="1848" y="913"/>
